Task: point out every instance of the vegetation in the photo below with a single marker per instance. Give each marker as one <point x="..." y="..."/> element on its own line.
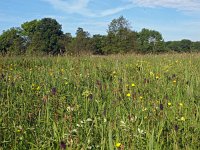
<point x="45" y="36"/>
<point x="115" y="102"/>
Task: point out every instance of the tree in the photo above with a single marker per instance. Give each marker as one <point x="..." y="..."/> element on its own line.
<point x="81" y="42"/>
<point x="185" y="45"/>
<point x="196" y="46"/>
<point x="121" y="38"/>
<point x="117" y="25"/>
<point x="43" y="35"/>
<point x="97" y="43"/>
<point x="180" y="46"/>
<point x="65" y="42"/>
<point x="11" y="42"/>
<point x="150" y="41"/>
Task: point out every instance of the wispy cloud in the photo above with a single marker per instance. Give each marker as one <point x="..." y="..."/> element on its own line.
<point x="115" y="10"/>
<point x="75" y="6"/>
<point x="81" y="7"/>
<point x="184" y="5"/>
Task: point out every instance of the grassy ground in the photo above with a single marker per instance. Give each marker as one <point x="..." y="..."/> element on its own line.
<point x="115" y="102"/>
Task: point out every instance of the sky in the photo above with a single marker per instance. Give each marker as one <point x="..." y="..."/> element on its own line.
<point x="174" y="19"/>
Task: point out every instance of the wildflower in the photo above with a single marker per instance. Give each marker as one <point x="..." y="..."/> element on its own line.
<point x="157" y="77"/>
<point x="144" y="109"/>
<point x="38" y="88"/>
<point x="62" y="145"/>
<point x="151" y="74"/>
<point x="90" y="96"/>
<point x="89" y="120"/>
<point x="53" y="91"/>
<point x="174" y="81"/>
<point x="18" y="131"/>
<point x="169" y="103"/>
<point x="132" y="84"/>
<point x="141" y="131"/>
<point x="141" y="97"/>
<point x="78" y="125"/>
<point x="176" y="128"/>
<point x="118" y="145"/>
<point x="70" y="109"/>
<point x="128" y="94"/>
<point x="182" y="119"/>
<point x="181" y="104"/>
<point x="161" y="107"/>
<point x="122" y="124"/>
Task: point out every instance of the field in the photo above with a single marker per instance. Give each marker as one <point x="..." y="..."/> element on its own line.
<point x="91" y="102"/>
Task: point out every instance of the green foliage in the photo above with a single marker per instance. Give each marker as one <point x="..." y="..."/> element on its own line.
<point x="150" y="41"/>
<point x="65" y="43"/>
<point x="196" y="46"/>
<point x="98" y="42"/>
<point x="120" y="38"/>
<point x="182" y="46"/>
<point x="43" y="35"/>
<point x="11" y="42"/>
<point x="81" y="43"/>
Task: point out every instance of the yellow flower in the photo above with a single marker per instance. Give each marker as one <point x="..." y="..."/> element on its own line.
<point x="38" y="88"/>
<point x="157" y="77"/>
<point x="181" y="104"/>
<point x="118" y="145"/>
<point x="174" y="81"/>
<point x="169" y="103"/>
<point x="132" y="84"/>
<point x="128" y="94"/>
<point x="182" y="119"/>
<point x="151" y="74"/>
<point x="141" y="97"/>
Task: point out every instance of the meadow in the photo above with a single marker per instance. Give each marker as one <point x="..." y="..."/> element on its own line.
<point x="122" y="102"/>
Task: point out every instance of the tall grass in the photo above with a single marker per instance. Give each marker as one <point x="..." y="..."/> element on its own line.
<point x="141" y="102"/>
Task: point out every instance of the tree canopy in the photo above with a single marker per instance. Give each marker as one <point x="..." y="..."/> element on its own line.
<point x="45" y="36"/>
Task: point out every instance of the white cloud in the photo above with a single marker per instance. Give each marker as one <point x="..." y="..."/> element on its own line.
<point x="114" y="10"/>
<point x="75" y="6"/>
<point x="81" y="7"/>
<point x="185" y="5"/>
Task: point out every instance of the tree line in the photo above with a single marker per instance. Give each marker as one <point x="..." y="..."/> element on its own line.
<point x="45" y="36"/>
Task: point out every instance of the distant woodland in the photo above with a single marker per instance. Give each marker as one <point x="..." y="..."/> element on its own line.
<point x="45" y="37"/>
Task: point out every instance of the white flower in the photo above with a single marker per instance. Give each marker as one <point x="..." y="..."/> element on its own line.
<point x="141" y="131"/>
<point x="89" y="119"/>
<point x="122" y="124"/>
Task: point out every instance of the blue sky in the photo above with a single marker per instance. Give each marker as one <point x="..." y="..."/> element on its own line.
<point x="175" y="19"/>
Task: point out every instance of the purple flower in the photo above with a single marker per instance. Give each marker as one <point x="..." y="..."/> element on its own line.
<point x="176" y="128"/>
<point x="62" y="145"/>
<point x="53" y="91"/>
<point x="161" y="107"/>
